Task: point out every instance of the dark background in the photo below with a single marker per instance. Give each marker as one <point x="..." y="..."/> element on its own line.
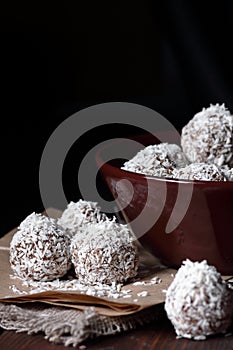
<point x="173" y="56"/>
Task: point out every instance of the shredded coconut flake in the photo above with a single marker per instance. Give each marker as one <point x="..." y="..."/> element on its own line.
<point x="143" y="294"/>
<point x="154" y="280"/>
<point x="227" y="172"/>
<point x="199" y="171"/>
<point x="114" y="290"/>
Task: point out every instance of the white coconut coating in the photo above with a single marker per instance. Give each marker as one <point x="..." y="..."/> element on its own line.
<point x="175" y="153"/>
<point x="104" y="253"/>
<point x="40" y="249"/>
<point x="208" y="137"/>
<point x="157" y="160"/>
<point x="198" y="302"/>
<point x="199" y="171"/>
<point x="80" y="213"/>
<point x="227" y="172"/>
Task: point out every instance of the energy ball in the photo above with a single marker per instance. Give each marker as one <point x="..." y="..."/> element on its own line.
<point x="199" y="171"/>
<point x="40" y="249"/>
<point x="104" y="253"/>
<point x="157" y="160"/>
<point x="80" y="213"/>
<point x="198" y="302"/>
<point x="208" y="137"/>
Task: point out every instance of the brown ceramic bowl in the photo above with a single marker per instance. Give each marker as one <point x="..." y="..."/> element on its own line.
<point x="202" y="229"/>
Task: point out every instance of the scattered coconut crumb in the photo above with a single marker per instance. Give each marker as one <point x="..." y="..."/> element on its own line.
<point x="228" y="334"/>
<point x="126" y="291"/>
<point x="139" y="283"/>
<point x="144" y="293"/>
<point x="98" y="290"/>
<point x="82" y="347"/>
<point x="17" y="290"/>
<point x="114" y="291"/>
<point x="154" y="280"/>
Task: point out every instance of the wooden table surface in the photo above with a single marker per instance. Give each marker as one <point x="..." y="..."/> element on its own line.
<point x="156" y="335"/>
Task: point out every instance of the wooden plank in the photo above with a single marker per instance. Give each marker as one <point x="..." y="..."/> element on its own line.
<point x="156" y="335"/>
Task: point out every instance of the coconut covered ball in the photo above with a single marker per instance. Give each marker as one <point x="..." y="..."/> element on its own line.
<point x="157" y="160"/>
<point x="208" y="137"/>
<point x="104" y="253"/>
<point x="198" y="302"/>
<point x="80" y="213"/>
<point x="39" y="250"/>
<point x="199" y="171"/>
